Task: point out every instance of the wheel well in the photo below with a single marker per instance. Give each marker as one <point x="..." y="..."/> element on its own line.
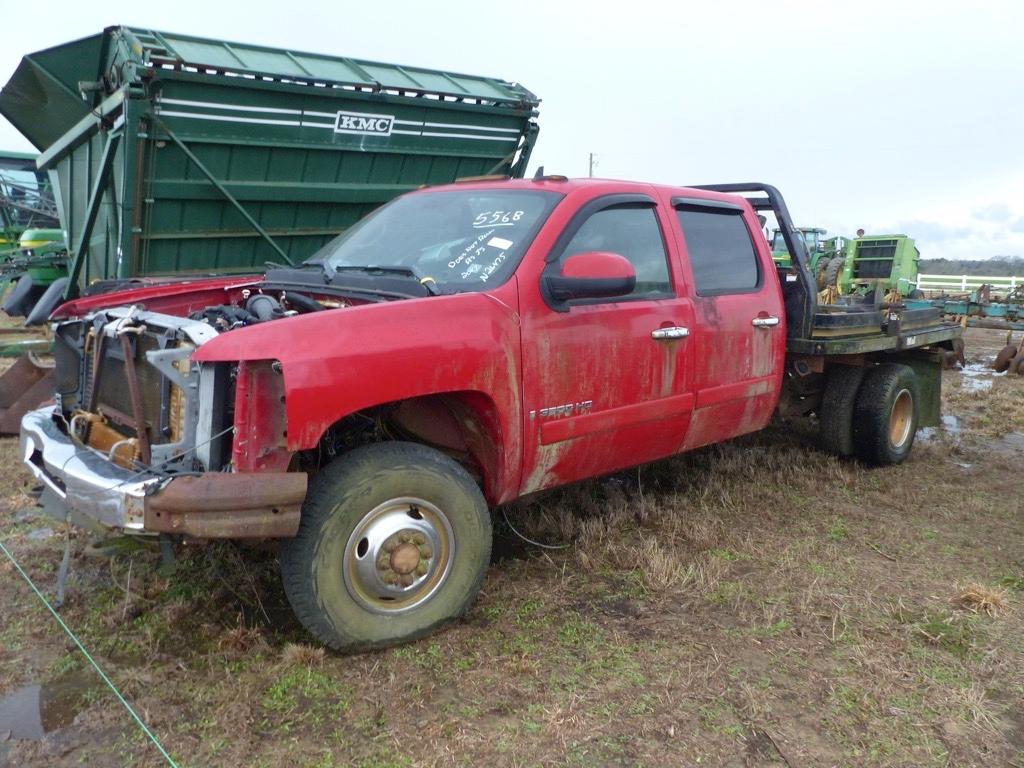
<point x="462" y="424"/>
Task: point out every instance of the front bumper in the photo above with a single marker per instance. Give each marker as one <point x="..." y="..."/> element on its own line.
<point x="87" y="483"/>
<point x="210" y="505"/>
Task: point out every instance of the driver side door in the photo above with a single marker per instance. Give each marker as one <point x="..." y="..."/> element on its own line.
<point x="607" y="382"/>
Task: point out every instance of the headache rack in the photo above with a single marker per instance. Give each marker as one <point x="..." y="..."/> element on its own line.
<point x="835" y="329"/>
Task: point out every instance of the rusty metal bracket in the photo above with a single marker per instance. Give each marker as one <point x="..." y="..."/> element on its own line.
<point x="138" y="414"/>
<point x="226" y="505"/>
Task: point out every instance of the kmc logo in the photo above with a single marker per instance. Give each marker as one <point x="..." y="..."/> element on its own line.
<point x="360" y="122"/>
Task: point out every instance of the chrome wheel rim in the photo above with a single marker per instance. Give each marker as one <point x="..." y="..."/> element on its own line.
<point x="901" y="418"/>
<point x="398" y="555"/>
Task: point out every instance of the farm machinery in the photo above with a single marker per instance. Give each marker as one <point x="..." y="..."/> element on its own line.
<point x="175" y="157"/>
<point x="985" y="308"/>
<point x="32" y="257"/>
<point x="32" y="250"/>
<point x="857" y="267"/>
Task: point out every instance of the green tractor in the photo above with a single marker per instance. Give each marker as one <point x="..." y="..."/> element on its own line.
<point x="859" y="265"/>
<point x="32" y="251"/>
<point x="27" y="271"/>
<point x="827" y="255"/>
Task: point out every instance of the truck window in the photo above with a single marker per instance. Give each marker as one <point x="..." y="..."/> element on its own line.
<point x="779" y="243"/>
<point x="630" y="230"/>
<point x="465" y="239"/>
<point x="721" y="252"/>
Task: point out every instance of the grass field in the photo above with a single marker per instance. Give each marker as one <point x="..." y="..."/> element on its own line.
<point x="753" y="603"/>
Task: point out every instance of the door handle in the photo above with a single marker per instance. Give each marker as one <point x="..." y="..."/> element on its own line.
<point x="765" y="322"/>
<point x="675" y="332"/>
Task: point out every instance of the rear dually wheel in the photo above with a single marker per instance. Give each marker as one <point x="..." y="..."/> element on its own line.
<point x="885" y="415"/>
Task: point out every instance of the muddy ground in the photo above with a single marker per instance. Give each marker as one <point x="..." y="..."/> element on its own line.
<point x="755" y="603"/>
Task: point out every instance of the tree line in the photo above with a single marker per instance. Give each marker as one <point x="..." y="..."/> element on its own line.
<point x="998" y="266"/>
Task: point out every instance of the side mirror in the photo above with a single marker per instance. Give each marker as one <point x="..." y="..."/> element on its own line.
<point x="590" y="275"/>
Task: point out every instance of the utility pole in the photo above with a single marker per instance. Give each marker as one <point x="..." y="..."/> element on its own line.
<point x="593" y="164"/>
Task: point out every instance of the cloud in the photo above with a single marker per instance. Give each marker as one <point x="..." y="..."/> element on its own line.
<point x="1018" y="225"/>
<point x="936" y="232"/>
<point x="996" y="212"/>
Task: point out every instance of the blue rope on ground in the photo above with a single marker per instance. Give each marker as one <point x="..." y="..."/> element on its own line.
<point x="102" y="674"/>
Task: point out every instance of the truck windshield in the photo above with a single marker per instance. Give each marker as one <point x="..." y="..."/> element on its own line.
<point x="463" y="240"/>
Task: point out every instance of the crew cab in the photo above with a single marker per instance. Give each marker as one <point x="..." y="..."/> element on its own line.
<point x="460" y="347"/>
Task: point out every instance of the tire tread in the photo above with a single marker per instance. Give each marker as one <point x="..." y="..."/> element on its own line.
<point x="871" y="413"/>
<point x="835" y="416"/>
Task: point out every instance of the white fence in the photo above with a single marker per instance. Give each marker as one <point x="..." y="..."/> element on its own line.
<point x="965" y="283"/>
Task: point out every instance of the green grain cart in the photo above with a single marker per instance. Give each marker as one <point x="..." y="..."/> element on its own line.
<point x="174" y="155"/>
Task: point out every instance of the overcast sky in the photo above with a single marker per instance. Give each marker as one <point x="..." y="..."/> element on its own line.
<point x="891" y="116"/>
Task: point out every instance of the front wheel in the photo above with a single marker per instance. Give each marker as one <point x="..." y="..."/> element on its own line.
<point x="394" y="541"/>
<point x="885" y="415"/>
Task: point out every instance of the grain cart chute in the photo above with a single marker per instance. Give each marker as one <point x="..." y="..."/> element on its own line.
<point x="178" y="156"/>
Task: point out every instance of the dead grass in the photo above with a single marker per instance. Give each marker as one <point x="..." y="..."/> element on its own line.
<point x="747" y="604"/>
<point x="981" y="598"/>
<point x="301" y="655"/>
<point x="239" y="638"/>
<point x="979" y="709"/>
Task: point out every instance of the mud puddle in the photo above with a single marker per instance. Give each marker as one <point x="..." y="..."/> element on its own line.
<point x="33" y="711"/>
<point x="1012" y="441"/>
<point x="950" y="426"/>
<point x="978" y="377"/>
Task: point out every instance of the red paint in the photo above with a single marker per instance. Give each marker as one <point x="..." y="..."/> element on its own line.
<point x="608" y="421"/>
<point x="261" y="429"/>
<point x="177" y="297"/>
<point x="599" y="264"/>
<point x="503" y="356"/>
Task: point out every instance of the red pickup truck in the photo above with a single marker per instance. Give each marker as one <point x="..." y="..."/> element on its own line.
<point x="458" y="348"/>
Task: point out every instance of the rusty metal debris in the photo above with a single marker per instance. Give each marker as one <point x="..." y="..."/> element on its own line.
<point x="1011" y="357"/>
<point x="218" y="505"/>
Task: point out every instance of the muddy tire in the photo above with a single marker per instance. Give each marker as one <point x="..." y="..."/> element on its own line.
<point x="394" y="541"/>
<point x="885" y="415"/>
<point x="833" y="270"/>
<point x="835" y="415"/>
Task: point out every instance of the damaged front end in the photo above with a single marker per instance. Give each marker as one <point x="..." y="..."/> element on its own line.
<point x="141" y="436"/>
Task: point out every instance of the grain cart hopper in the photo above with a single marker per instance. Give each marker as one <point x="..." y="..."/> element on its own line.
<point x="176" y="155"/>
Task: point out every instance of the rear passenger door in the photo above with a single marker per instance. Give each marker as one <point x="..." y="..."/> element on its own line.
<point x="739" y="320"/>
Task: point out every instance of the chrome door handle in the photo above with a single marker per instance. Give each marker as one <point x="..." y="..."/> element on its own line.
<point x="765" y="322"/>
<point x="675" y="332"/>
